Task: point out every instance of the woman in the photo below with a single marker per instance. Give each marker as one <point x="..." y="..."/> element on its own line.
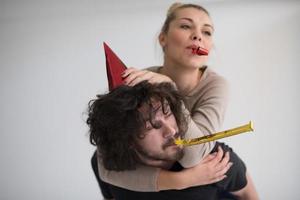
<point x="187" y="28"/>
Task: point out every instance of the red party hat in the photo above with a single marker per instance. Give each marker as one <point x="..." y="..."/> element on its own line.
<point x="114" y="68"/>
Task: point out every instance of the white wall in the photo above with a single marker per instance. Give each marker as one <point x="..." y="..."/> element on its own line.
<point x="52" y="63"/>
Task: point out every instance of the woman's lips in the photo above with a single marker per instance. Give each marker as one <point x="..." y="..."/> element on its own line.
<point x="198" y="50"/>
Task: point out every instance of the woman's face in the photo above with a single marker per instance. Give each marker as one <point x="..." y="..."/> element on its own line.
<point x="191" y="28"/>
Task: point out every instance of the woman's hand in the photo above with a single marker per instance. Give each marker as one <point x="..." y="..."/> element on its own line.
<point x="210" y="170"/>
<point x="134" y="76"/>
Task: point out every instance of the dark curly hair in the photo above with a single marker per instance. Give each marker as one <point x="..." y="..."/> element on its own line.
<point x="115" y="121"/>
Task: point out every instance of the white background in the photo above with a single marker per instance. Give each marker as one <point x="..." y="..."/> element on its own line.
<point x="52" y="63"/>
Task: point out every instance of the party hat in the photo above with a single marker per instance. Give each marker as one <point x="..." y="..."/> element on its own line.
<point x="114" y="68"/>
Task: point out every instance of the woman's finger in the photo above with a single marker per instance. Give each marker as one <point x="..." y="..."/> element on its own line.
<point x="224" y="170"/>
<point x="218" y="157"/>
<point x="136" y="74"/>
<point x="209" y="157"/>
<point x="128" y="71"/>
<point x="144" y="76"/>
<point x="217" y="179"/>
<point x="223" y="162"/>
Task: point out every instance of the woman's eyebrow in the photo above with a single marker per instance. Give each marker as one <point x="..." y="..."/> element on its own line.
<point x="186" y="18"/>
<point x="192" y="21"/>
<point x="210" y="26"/>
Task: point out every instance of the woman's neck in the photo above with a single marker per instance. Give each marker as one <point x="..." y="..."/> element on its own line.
<point x="186" y="78"/>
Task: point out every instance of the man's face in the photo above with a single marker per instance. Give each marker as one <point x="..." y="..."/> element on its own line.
<point x="158" y="141"/>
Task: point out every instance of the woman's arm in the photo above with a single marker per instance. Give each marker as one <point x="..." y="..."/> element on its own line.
<point x="211" y="169"/>
<point x="149" y="179"/>
<point x="206" y="109"/>
<point x="143" y="179"/>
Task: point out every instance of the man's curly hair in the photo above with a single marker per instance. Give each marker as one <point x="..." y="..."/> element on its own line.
<point x="115" y="121"/>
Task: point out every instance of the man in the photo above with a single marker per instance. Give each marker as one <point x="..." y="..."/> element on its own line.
<point x="138" y="125"/>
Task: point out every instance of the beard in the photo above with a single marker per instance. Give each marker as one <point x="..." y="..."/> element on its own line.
<point x="164" y="158"/>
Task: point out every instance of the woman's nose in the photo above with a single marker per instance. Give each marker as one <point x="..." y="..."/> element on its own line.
<point x="196" y="36"/>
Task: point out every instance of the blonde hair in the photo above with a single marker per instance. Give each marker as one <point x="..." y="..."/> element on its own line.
<point x="171" y="13"/>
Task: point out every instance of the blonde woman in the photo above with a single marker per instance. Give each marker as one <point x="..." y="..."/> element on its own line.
<point x="188" y="27"/>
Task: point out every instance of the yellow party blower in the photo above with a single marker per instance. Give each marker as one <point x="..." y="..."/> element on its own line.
<point x="238" y="130"/>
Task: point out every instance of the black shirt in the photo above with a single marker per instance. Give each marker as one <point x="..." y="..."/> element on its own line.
<point x="236" y="179"/>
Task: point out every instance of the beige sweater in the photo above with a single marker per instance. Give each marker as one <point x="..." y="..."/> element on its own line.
<point x="206" y="106"/>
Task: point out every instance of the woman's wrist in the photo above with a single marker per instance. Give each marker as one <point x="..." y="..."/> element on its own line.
<point x="168" y="180"/>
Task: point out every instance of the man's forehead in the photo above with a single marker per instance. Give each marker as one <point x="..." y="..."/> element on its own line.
<point x="152" y="106"/>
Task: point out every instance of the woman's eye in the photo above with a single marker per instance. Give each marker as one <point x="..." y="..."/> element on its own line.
<point x="184" y="26"/>
<point x="208" y="33"/>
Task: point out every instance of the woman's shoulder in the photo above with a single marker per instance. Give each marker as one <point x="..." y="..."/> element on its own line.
<point x="210" y="82"/>
<point x="153" y="68"/>
<point x="210" y="76"/>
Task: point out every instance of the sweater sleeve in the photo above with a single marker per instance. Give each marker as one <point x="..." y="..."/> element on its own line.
<point x="206" y="117"/>
<point x="143" y="179"/>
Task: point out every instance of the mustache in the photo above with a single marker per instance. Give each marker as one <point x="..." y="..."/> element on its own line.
<point x="171" y="140"/>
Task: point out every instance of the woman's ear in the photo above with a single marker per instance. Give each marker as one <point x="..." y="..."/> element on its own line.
<point x="162" y="40"/>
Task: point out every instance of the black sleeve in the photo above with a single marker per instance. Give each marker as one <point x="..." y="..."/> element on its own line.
<point x="236" y="175"/>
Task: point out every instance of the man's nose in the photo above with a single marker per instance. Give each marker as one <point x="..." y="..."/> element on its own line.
<point x="168" y="129"/>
